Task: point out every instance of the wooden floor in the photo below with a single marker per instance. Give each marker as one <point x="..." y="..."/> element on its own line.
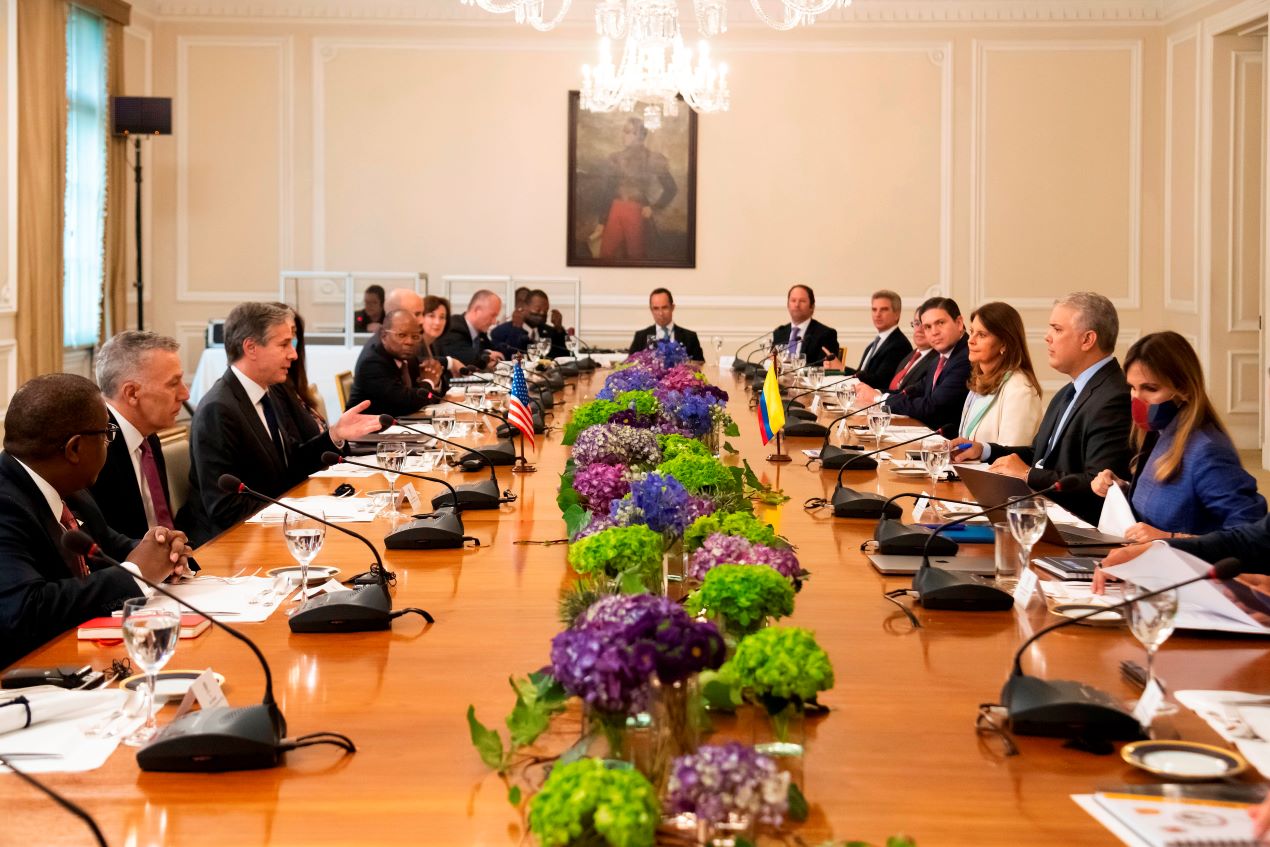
<point x="897" y="753"/>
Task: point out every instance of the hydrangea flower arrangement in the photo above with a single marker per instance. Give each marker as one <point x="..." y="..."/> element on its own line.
<point x="643" y="402"/>
<point x="660" y="356"/>
<point x="584" y="801"/>
<point x="718" y="549"/>
<point x="586" y="415"/>
<point x="779" y="665"/>
<point x="673" y="446"/>
<point x="614" y="444"/>
<point x="722" y="781"/>
<point x="731" y="523"/>
<point x="599" y="484"/>
<point x="692" y="413"/>
<point x="659" y="502"/>
<point x="683" y="646"/>
<point x="618" y="550"/>
<point x="627" y="380"/>
<point x="743" y="597"/>
<point x="682" y="378"/>
<point x="698" y="472"/>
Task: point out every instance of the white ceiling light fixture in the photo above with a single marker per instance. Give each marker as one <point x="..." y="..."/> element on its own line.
<point x="712" y="15"/>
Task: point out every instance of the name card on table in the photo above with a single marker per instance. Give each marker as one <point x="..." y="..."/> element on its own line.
<point x="412" y="497"/>
<point x="1026" y="587"/>
<point x="204" y="690"/>
<point x="1149" y="703"/>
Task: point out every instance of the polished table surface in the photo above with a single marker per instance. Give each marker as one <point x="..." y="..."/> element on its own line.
<point x="897" y="753"/>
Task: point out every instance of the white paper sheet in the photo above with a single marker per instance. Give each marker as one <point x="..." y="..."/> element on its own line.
<point x="1221" y="710"/>
<point x="230" y="602"/>
<point x="64" y="737"/>
<point x="1117" y="516"/>
<point x="335" y="509"/>
<point x="1257" y="753"/>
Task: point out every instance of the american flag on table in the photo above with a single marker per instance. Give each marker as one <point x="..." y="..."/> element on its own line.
<point x="518" y="412"/>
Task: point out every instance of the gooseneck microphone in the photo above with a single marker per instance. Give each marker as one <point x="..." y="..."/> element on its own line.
<point x="497" y="454"/>
<point x="832" y="457"/>
<point x="364" y="610"/>
<point x="209" y="740"/>
<point x="479" y="495"/>
<point x="533" y="401"/>
<point x="849" y="503"/>
<point x="942" y="589"/>
<point x="739" y="364"/>
<point x="898" y="538"/>
<point x="805" y="425"/>
<point x="441" y="530"/>
<point x="1069" y="709"/>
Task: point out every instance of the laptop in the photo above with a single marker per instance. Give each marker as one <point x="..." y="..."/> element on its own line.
<point x="894" y="565"/>
<point x="987" y="487"/>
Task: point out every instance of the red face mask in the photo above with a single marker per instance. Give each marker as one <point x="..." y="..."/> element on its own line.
<point x="1139" y="409"/>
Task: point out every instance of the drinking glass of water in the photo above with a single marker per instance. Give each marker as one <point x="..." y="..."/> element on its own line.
<point x="718" y="344"/>
<point x="151" y="628"/>
<point x="391" y="455"/>
<point x="304" y="539"/>
<point x="1027" y="524"/>
<point x="1151" y="620"/>
<point x="879" y="420"/>
<point x="935" y="456"/>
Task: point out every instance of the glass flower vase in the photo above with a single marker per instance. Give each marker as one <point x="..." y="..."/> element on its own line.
<point x="725" y="833"/>
<point x="672" y="565"/>
<point x="781" y="734"/>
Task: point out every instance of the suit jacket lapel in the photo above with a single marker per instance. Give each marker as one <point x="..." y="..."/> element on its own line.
<point x="248" y="410"/>
<point x="38" y="506"/>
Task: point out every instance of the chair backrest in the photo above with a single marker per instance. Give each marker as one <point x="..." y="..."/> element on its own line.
<point x="344" y="387"/>
<point x="176" y="455"/>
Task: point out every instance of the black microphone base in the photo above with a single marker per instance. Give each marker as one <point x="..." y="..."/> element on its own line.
<point x="366" y="610"/>
<point x="502" y="453"/>
<point x="215" y="740"/>
<point x="1064" y="708"/>
<point x="569" y="369"/>
<point x="895" y="537"/>
<point x="441" y="530"/>
<point x="832" y="458"/>
<point x="555" y="381"/>
<point x="477" y="495"/>
<point x="941" y="589"/>
<point x="505" y="431"/>
<point x="586" y="363"/>
<point x="799" y="414"/>
<point x="805" y="429"/>
<point x="848" y="503"/>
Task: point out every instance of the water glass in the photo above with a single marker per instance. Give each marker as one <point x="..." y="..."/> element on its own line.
<point x="151" y="628"/>
<point x="879" y="420"/>
<point x="1006" y="556"/>
<point x="391" y="455"/>
<point x="304" y="539"/>
<point x="1027" y="522"/>
<point x="1151" y="620"/>
<point x="936" y="453"/>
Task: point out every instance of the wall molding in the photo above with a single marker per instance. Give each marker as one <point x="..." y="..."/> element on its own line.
<point x="1185" y="305"/>
<point x="1237" y="403"/>
<point x="9" y="286"/>
<point x="284" y="46"/>
<point x="1235" y="196"/>
<point x="740" y="12"/>
<point x="979" y="161"/>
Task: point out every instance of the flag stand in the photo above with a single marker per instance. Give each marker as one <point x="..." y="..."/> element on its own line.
<point x="521" y="464"/>
<point x="780" y="456"/>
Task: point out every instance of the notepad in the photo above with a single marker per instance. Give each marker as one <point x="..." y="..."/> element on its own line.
<point x="111" y="629"/>
<point x="1144" y="821"/>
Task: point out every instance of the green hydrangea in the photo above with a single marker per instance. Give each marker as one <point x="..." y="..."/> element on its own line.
<point x="616" y="551"/>
<point x="780" y="663"/>
<point x="743" y="595"/>
<point x="697" y="473"/>
<point x="585" y="799"/>
<point x="587" y="415"/>
<point x="673" y="446"/>
<point x="642" y="401"/>
<point x="731" y="523"/>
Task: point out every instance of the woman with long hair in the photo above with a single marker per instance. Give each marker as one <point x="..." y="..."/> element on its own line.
<point x="436" y="322"/>
<point x="1004" y="403"/>
<point x="1187" y="478"/>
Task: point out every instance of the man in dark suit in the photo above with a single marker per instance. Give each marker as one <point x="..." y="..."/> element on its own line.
<point x="913" y="368"/>
<point x="468" y="338"/>
<point x="387" y="372"/>
<point x="662" y="304"/>
<point x="249" y="425"/>
<point x="936" y="401"/>
<point x="141" y="378"/>
<point x="528" y="324"/>
<point x="1086" y="427"/>
<point x="804" y="335"/>
<point x="882" y="357"/>
<point x="56" y="434"/>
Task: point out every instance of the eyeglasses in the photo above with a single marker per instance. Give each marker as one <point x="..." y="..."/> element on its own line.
<point x="110" y="432"/>
<point x="990" y="723"/>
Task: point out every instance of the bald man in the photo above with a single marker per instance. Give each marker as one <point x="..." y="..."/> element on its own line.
<point x="406" y="300"/>
<point x="468" y="339"/>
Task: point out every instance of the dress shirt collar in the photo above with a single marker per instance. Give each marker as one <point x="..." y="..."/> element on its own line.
<point x="54" y="499"/>
<point x="1082" y="379"/>
<point x="130" y="434"/>
<point x="667" y="331"/>
<point x="472" y="332"/>
<point x="802" y="328"/>
<point x="254" y="389"/>
<point x="885" y="334"/>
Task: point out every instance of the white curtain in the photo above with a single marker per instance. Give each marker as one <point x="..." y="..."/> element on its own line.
<point x="83" y="234"/>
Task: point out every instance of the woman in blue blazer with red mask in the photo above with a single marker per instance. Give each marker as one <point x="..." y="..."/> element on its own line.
<point x="1187" y="478"/>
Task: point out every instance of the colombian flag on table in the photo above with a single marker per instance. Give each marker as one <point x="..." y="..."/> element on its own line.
<point x="771" y="412"/>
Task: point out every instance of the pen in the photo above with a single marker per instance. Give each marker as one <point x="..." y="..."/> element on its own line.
<point x="963" y="445"/>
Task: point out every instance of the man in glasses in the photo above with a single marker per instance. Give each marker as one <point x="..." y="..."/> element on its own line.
<point x="140" y="376"/>
<point x="56" y="436"/>
<point x="387" y="372"/>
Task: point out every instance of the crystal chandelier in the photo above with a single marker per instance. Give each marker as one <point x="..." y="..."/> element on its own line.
<point x="712" y="15"/>
<point x="656" y="68"/>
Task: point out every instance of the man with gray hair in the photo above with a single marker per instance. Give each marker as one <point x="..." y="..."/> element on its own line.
<point x="140" y="376"/>
<point x="1086" y="427"/>
<point x="249" y="425"/>
<point x="468" y="339"/>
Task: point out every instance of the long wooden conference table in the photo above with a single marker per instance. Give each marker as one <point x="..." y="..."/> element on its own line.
<point x="898" y="751"/>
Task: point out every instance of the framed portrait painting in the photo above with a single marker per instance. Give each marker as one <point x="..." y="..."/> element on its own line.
<point x="632" y="190"/>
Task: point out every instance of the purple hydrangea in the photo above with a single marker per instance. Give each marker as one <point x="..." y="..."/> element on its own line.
<point x="728" y="780"/>
<point x="720" y="549"/>
<point x="681" y="378"/>
<point x="682" y="645"/>
<point x="599" y="485"/>
<point x="627" y="379"/>
<point x="663" y="501"/>
<point x="615" y="444"/>
<point x="691" y="412"/>
<point x="608" y="675"/>
<point x="632" y="418"/>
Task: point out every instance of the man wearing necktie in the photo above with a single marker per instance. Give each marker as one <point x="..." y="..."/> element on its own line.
<point x="249" y="425"/>
<point x="56" y="436"/>
<point x="387" y="372"/>
<point x="889" y="349"/>
<point x="662" y="304"/>
<point x="804" y="335"/>
<point x="1086" y="426"/>
<point x="141" y="378"/>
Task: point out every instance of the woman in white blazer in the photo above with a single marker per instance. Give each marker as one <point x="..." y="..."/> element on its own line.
<point x="1004" y="403"/>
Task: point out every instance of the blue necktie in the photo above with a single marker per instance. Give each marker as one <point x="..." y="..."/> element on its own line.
<point x="271" y="419"/>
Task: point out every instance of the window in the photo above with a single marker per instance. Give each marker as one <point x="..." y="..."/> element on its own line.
<point x="83" y="235"/>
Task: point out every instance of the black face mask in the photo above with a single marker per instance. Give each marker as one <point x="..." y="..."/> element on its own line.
<point x="535" y="320"/>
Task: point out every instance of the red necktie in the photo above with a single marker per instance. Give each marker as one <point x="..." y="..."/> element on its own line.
<point x="150" y="473"/>
<point x="70" y="524"/>
<point x="908" y="366"/>
<point x="938" y="368"/>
